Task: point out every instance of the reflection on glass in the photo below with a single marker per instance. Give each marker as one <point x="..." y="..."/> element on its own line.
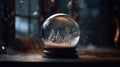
<point x="59" y="30"/>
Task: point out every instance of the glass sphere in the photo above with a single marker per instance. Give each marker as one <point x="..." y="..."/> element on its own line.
<point x="60" y="30"/>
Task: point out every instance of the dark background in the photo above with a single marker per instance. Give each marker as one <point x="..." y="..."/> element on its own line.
<point x="21" y="20"/>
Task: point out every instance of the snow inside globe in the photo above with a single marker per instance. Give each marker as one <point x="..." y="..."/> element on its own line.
<point x="60" y="31"/>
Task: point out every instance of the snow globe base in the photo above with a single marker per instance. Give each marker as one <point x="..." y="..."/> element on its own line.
<point x="60" y="53"/>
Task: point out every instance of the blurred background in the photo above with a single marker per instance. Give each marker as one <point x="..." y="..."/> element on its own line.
<point x="21" y="21"/>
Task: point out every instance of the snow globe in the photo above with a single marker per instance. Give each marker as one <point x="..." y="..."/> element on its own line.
<point x="60" y="35"/>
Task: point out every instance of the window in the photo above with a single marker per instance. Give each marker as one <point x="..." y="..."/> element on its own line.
<point x="26" y="22"/>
